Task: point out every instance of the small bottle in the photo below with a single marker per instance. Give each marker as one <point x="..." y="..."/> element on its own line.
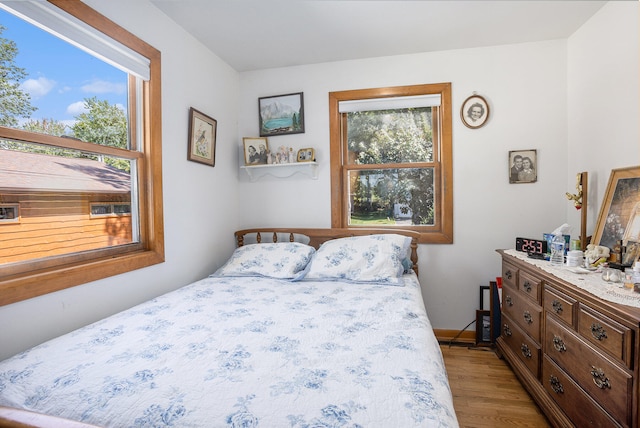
<point x="635" y="276"/>
<point x="557" y="250"/>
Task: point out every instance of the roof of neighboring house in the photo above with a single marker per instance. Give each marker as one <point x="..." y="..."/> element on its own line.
<point x="38" y="172"/>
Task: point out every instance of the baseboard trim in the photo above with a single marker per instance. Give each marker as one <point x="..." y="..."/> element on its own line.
<point x="467" y="336"/>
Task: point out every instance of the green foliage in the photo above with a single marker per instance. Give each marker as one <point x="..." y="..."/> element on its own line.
<point x="46" y="126"/>
<point x="14" y="102"/>
<point x="103" y="124"/>
<point x="403" y="137"/>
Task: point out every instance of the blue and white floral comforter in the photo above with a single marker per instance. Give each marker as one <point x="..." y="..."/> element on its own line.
<point x="246" y="352"/>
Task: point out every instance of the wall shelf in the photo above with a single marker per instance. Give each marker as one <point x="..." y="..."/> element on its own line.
<point x="282" y="170"/>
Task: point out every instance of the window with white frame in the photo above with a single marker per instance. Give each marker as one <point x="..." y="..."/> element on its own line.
<point x="391" y="159"/>
<point x="58" y="167"/>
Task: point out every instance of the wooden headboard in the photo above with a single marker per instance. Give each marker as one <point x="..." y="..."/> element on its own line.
<point x="315" y="237"/>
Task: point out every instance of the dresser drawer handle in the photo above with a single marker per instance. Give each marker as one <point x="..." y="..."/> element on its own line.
<point x="525" y="350"/>
<point x="598" y="331"/>
<point x="509" y="300"/>
<point x="558" y="344"/>
<point x="508" y="274"/>
<point x="599" y="378"/>
<point x="527" y="317"/>
<point x="557" y="306"/>
<point x="507" y="330"/>
<point x="556" y="385"/>
<point x="527" y="286"/>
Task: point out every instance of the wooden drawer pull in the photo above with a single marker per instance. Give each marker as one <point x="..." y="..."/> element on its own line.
<point x="599" y="378"/>
<point x="558" y="344"/>
<point x="525" y="350"/>
<point x="507" y="330"/>
<point x="509" y="300"/>
<point x="557" y="306"/>
<point x="598" y="331"/>
<point x="556" y="385"/>
<point x="508" y="274"/>
<point x="527" y="317"/>
<point x="527" y="286"/>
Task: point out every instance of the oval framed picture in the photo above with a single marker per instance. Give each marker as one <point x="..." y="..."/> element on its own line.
<point x="474" y="112"/>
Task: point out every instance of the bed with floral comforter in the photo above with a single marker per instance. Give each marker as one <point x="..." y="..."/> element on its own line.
<point x="281" y="336"/>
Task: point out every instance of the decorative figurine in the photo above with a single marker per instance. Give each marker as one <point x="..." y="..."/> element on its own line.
<point x="577" y="198"/>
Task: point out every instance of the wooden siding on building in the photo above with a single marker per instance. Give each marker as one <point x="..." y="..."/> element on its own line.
<point x="55" y="223"/>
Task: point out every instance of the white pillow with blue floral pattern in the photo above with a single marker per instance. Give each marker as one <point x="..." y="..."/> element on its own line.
<point x="282" y="260"/>
<point x="371" y="258"/>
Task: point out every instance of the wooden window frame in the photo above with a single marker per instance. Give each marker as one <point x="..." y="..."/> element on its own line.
<point x="24" y="280"/>
<point x="442" y="231"/>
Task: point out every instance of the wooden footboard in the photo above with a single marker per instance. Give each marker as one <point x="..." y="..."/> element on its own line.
<point x="317" y="236"/>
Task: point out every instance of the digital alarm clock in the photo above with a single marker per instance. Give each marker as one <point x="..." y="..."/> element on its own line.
<point x="531" y="246"/>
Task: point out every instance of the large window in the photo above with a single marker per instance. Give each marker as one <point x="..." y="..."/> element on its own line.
<point x="80" y="158"/>
<point x="391" y="159"/>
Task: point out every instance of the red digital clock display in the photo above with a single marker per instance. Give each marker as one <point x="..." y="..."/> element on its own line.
<point x="531" y="246"/>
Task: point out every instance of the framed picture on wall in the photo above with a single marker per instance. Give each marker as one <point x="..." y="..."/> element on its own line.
<point x="523" y="166"/>
<point x="281" y="114"/>
<point x="202" y="138"/>
<point x="474" y="111"/>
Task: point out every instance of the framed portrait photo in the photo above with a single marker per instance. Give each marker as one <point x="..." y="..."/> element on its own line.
<point x="523" y="166"/>
<point x="255" y="150"/>
<point x="619" y="217"/>
<point x="474" y="112"/>
<point x="202" y="138"/>
<point x="306" y="155"/>
<point x="281" y="114"/>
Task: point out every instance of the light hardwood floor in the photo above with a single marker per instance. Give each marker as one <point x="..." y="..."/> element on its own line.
<point x="486" y="393"/>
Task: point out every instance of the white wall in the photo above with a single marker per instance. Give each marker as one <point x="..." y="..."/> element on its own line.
<point x="488" y="211"/>
<point x="603" y="101"/>
<point x="200" y="202"/>
<point x="533" y="106"/>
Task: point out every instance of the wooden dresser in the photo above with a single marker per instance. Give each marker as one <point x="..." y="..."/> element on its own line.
<point x="576" y="354"/>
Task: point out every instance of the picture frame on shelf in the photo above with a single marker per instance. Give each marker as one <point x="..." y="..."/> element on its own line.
<point x="202" y="138"/>
<point x="306" y="155"/>
<point x="474" y="112"/>
<point x="281" y="114"/>
<point x="523" y="166"/>
<point x="255" y="150"/>
<point x="619" y="216"/>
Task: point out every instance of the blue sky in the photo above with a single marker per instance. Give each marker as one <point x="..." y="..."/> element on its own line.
<point x="60" y="76"/>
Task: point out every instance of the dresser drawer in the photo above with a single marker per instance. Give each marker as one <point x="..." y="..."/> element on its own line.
<point x="525" y="312"/>
<point x="529" y="285"/>
<point x="527" y="350"/>
<point x="559" y="304"/>
<point x="578" y="406"/>
<point x="607" y="334"/>
<point x="509" y="274"/>
<point x="608" y="383"/>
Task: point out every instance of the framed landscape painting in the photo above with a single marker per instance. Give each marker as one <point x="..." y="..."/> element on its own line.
<point x="281" y="114"/>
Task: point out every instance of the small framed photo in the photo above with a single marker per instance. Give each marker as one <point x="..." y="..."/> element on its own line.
<point x="632" y="254"/>
<point x="306" y="155"/>
<point x="202" y="138"/>
<point x="255" y="150"/>
<point x="523" y="166"/>
<point x="281" y="114"/>
<point x="474" y="112"/>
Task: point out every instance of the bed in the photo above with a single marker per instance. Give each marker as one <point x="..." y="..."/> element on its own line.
<point x="300" y="328"/>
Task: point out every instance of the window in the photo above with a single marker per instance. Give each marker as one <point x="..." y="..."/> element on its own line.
<point x="106" y="209"/>
<point x="9" y="214"/>
<point x="391" y="159"/>
<point x="89" y="189"/>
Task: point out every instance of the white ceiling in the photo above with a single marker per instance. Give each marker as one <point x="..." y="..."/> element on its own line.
<point x="259" y="34"/>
